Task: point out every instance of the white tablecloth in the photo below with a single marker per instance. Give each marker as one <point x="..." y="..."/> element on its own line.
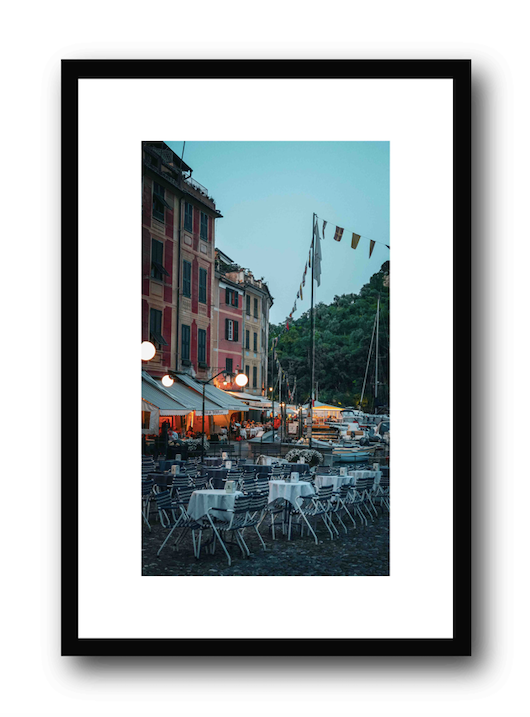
<point x="324" y="480"/>
<point x="376" y="475"/>
<point x="289" y="491"/>
<point x="202" y="500"/>
<point x="350" y="478"/>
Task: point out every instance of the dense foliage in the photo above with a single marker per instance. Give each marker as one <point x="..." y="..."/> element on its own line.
<point x="343" y="333"/>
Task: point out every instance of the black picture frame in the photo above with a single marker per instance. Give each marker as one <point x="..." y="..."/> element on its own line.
<point x="459" y="71"/>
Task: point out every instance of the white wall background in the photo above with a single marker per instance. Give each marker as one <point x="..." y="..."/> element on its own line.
<point x="37" y="681"/>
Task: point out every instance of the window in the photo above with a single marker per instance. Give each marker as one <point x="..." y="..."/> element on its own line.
<point x="157" y="260"/>
<point x="255" y="308"/>
<point x="254" y="376"/>
<point x="229" y="365"/>
<point x="155" y="328"/>
<point x="231" y="330"/>
<point x="231" y="297"/>
<point x="203" y="276"/>
<point x="188" y="217"/>
<point x="247" y="371"/>
<point x="247" y="340"/>
<point x="185" y="349"/>
<point x="186" y="278"/>
<point x="159" y="202"/>
<point x="202" y="347"/>
<point x="255" y="342"/>
<point x="248" y="306"/>
<point x="204" y="226"/>
<point x="146" y="419"/>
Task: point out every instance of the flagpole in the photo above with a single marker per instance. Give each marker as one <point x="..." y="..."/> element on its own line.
<point x="312" y="336"/>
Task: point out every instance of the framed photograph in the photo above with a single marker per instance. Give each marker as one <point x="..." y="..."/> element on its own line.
<point x="232" y="234"/>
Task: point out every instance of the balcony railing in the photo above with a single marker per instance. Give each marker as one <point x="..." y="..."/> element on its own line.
<point x="199" y="187"/>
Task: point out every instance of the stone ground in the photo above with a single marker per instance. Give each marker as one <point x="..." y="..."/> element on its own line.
<point x="362" y="551"/>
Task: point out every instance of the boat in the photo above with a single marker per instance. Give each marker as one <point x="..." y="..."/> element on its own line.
<point x="348" y="453"/>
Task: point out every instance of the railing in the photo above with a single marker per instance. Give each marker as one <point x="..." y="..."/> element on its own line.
<point x="196" y="185"/>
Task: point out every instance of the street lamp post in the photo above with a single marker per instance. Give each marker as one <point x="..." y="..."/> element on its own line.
<point x="241" y="380"/>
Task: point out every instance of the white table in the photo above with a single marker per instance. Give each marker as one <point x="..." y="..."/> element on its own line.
<point x="376" y="475"/>
<point x="289" y="491"/>
<point x="324" y="480"/>
<point x="349" y="479"/>
<point x="202" y="500"/>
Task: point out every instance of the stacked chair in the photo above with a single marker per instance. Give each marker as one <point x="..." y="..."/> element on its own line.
<point x="148" y="485"/>
<point x="174" y="515"/>
<point x="381" y="494"/>
<point x="232" y="522"/>
<point x="312" y="507"/>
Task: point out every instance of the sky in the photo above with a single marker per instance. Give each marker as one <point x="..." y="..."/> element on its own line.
<point x="267" y="193"/>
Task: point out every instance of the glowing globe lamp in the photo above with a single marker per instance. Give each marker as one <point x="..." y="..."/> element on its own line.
<point x="241" y="379"/>
<point x="148" y="351"/>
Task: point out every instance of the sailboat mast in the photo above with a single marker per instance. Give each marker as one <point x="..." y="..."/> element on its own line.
<point x="312" y="335"/>
<point x="376" y="353"/>
<point x="368" y="363"/>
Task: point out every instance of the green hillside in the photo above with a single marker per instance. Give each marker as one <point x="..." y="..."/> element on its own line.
<point x="343" y="332"/>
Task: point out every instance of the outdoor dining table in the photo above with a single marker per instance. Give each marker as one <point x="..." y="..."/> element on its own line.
<point x="165" y="464"/>
<point x="213" y="461"/>
<point x="216" y="474"/>
<point x="376" y="475"/>
<point x="202" y="501"/>
<point x="324" y="480"/>
<point x="266" y="470"/>
<point x="290" y="492"/>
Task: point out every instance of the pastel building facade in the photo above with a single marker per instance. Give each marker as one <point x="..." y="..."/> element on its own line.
<point x="178" y="244"/>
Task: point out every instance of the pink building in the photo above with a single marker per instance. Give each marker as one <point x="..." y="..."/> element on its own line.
<point x="228" y="327"/>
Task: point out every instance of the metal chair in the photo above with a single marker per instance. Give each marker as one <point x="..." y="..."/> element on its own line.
<point x="181" y="520"/>
<point x="342" y="497"/>
<point x="381" y="494"/>
<point x="179" y="481"/>
<point x="233" y="520"/>
<point x="148" y="485"/>
<point x="310" y="508"/>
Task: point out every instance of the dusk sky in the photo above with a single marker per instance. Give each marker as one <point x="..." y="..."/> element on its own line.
<point x="267" y="193"/>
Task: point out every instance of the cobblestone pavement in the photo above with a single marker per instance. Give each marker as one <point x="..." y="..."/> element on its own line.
<point x="362" y="551"/>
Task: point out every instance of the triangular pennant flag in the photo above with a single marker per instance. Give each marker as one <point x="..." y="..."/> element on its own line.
<point x="372" y="244"/>
<point x="338" y="233"/>
<point x="317" y="255"/>
<point x="387" y="246"/>
<point x="301" y="295"/>
<point x="303" y="280"/>
<point x="323" y="230"/>
<point x="287" y="326"/>
<point x="355" y="240"/>
<point x="305" y="270"/>
<point x="310" y="258"/>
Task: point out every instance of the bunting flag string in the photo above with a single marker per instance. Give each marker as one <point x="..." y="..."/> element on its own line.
<point x="315" y="264"/>
<point x="339" y="231"/>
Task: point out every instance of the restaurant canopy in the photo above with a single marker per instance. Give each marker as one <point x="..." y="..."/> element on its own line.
<point x="183" y="396"/>
<point x="326" y="409"/>
<point x="250" y="400"/>
<point x="157" y="396"/>
<point x="222" y="399"/>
